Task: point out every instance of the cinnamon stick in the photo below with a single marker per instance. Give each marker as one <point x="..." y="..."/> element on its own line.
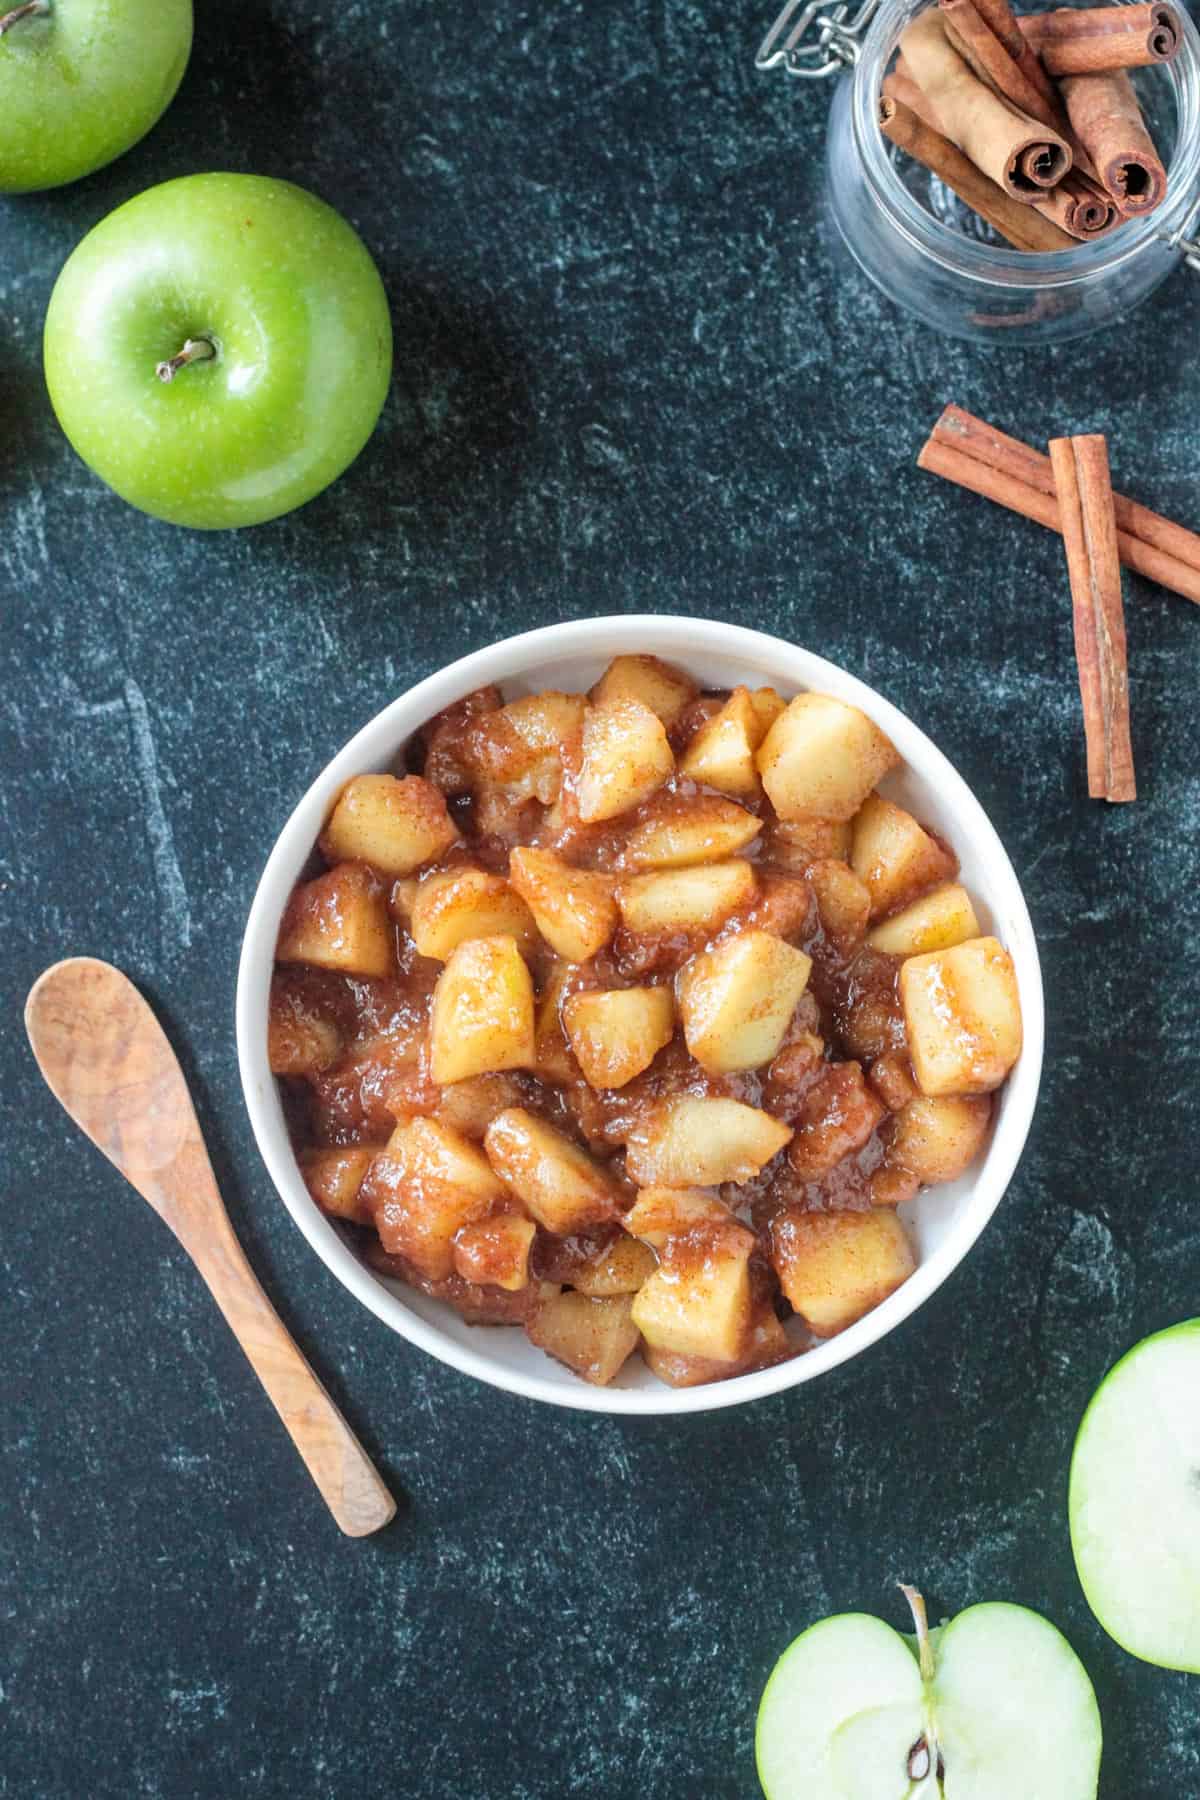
<point x="1003" y="23"/>
<point x="1107" y="120"/>
<point x="1080" y="207"/>
<point x="900" y="86"/>
<point x="1088" y="40"/>
<point x="910" y="129"/>
<point x="989" y="58"/>
<point x="974" y="455"/>
<point x="1020" y="156"/>
<point x="1089" y="529"/>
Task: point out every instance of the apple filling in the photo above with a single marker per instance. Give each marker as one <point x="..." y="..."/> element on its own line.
<point x="631" y="1018"/>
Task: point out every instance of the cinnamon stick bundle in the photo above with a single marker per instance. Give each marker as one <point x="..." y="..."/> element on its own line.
<point x="1020" y="156"/>
<point x="1089" y="529"/>
<point x="1107" y="120"/>
<point x="911" y="128"/>
<point x="975" y="455"/>
<point x="1075" y="207"/>
<point x="1088" y="40"/>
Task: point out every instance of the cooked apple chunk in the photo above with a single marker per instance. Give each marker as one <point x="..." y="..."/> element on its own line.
<point x="455" y="904"/>
<point x="495" y="1252"/>
<point x="894" y="856"/>
<point x="737" y="999"/>
<point x="619" y="1268"/>
<point x="837" y="1117"/>
<point x="334" y="1178"/>
<point x="843" y="904"/>
<point x="698" y="1301"/>
<point x="766" y="1344"/>
<point x="301" y="1040"/>
<point x="698" y="1141"/>
<point x="544" y="723"/>
<point x="665" y="690"/>
<point x="423" y="1188"/>
<point x="686" y="900"/>
<point x="936" y="921"/>
<point x="768" y="705"/>
<point x="625" y="757"/>
<point x="563" y="1187"/>
<point x="482" y="1011"/>
<point x="892" y="1078"/>
<point x="470" y="1106"/>
<point x="938" y="1139"/>
<point x="682" y="829"/>
<point x="552" y="1059"/>
<point x="339" y="921"/>
<point x="963" y="1016"/>
<point x="798" y="843"/>
<point x="616" y="1033"/>
<point x="836" y="1266"/>
<point x="394" y="824"/>
<point x="721" y="755"/>
<point x="596" y="1338"/>
<point x="824" y="757"/>
<point x="660" y="1213"/>
<point x="573" y="909"/>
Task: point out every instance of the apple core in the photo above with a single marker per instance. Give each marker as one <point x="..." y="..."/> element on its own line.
<point x="995" y="1703"/>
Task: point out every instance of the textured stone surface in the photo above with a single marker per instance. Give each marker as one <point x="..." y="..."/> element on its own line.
<point x="628" y="378"/>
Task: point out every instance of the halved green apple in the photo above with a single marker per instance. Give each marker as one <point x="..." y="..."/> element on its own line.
<point x="1135" y="1500"/>
<point x="994" y="1705"/>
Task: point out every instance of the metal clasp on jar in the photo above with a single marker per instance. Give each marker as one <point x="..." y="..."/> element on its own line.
<point x="812" y="38"/>
<point x="1179" y="240"/>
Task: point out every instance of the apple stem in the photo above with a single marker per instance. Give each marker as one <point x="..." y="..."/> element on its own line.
<point x="916" y="1606"/>
<point x="194" y="350"/>
<point x="32" y="10"/>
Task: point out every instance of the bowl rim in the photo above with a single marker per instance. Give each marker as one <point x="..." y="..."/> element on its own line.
<point x="376" y="743"/>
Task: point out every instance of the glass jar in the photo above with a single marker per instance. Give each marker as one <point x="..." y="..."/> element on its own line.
<point x="950" y="270"/>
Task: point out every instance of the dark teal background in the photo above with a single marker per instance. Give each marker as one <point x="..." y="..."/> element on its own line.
<point x="628" y="378"/>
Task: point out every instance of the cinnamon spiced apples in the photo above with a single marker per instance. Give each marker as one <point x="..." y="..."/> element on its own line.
<point x="630" y="1019"/>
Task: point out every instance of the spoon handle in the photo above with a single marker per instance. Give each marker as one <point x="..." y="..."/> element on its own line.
<point x="349" y="1482"/>
<point x="107" y="1060"/>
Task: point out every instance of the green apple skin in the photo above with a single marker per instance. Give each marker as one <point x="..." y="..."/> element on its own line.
<point x="82" y="83"/>
<point x="1134" y="1503"/>
<point x="1009" y="1704"/>
<point x="287" y="294"/>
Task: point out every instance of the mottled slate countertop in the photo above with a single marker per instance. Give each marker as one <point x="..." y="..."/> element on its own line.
<point x="628" y="378"/>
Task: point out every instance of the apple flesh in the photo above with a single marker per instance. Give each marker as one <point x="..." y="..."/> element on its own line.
<point x="1134" y="1502"/>
<point x="219" y="349"/>
<point x="992" y="1706"/>
<point x="81" y="81"/>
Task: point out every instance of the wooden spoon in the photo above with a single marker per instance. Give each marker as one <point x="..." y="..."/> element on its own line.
<point x="106" y="1058"/>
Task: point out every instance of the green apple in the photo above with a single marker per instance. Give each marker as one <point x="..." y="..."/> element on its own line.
<point x="81" y="81"/>
<point x="219" y="349"/>
<point x="993" y="1706"/>
<point x="1135" y="1500"/>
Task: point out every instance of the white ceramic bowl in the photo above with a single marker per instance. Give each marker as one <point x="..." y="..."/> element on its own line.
<point x="944" y="1221"/>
